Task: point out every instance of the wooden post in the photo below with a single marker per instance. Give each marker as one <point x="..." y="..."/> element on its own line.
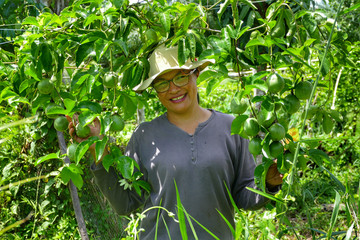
<point x="73" y="192"/>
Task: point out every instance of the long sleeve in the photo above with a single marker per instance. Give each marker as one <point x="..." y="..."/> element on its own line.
<point x="123" y="201"/>
<point x="245" y="166"/>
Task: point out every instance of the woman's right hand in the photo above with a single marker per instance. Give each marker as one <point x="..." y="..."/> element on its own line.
<point x="94" y="128"/>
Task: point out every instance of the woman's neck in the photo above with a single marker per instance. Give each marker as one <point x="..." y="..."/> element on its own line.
<point x="190" y="120"/>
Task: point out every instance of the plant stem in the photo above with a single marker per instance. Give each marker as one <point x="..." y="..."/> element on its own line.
<point x="292" y="172"/>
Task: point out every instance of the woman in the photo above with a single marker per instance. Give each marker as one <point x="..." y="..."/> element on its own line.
<point x="188" y="150"/>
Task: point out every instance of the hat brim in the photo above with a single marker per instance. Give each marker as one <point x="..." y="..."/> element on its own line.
<point x="187" y="66"/>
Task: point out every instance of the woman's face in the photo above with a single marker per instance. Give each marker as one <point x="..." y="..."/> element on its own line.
<point x="176" y="99"/>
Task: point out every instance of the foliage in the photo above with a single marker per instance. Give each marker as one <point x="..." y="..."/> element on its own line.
<point x="93" y="53"/>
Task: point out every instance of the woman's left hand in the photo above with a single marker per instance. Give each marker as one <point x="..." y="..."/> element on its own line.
<point x="273" y="176"/>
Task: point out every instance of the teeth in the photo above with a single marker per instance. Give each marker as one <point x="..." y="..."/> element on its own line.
<point x="178" y="98"/>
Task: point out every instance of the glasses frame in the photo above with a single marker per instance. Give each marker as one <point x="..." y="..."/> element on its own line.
<point x="172" y="80"/>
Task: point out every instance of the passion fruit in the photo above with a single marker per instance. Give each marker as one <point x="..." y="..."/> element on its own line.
<point x="292" y="103"/>
<point x="303" y="90"/>
<point x="238" y="107"/>
<point x="82" y="131"/>
<point x="276" y="148"/>
<point x="251" y="127"/>
<point x="61" y="123"/>
<point x="255" y="146"/>
<point x="71" y="151"/>
<point x="110" y="80"/>
<point x="45" y="86"/>
<point x="275" y="83"/>
<point x="277" y="132"/>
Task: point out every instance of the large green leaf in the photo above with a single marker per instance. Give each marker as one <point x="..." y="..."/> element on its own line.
<point x="85" y="50"/>
<point x="47" y="157"/>
<point x="73" y="173"/>
<point x="46" y="58"/>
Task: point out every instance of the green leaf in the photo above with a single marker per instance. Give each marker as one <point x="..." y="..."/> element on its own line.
<point x="46" y="58"/>
<point x="83" y="52"/>
<point x="87" y="117"/>
<point x="6" y="93"/>
<point x="100" y="147"/>
<point x="319" y="156"/>
<point x="69" y="104"/>
<point x="127" y="104"/>
<point x="83" y="147"/>
<point x="309" y="23"/>
<point x="47" y="157"/>
<point x="118" y="3"/>
<point x="249" y="3"/>
<point x="125" y="165"/>
<point x="222" y="9"/>
<point x="181" y="52"/>
<point x="108" y="161"/>
<point x="31" y="21"/>
<point x="73" y="173"/>
<point x="165" y="21"/>
<point x="334" y="215"/>
<point x="238" y="124"/>
<point x="92" y="106"/>
<point x="357" y="5"/>
<point x="91" y="18"/>
<point x="123" y="46"/>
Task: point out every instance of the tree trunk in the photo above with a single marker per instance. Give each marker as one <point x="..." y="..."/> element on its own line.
<point x="73" y="192"/>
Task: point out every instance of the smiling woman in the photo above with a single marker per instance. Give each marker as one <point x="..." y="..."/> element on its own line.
<point x="188" y="153"/>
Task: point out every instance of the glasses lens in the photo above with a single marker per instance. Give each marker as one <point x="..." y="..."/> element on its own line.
<point x="162" y="86"/>
<point x="181" y="80"/>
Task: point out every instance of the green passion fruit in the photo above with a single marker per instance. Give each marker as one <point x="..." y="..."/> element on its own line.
<point x="275" y="83"/>
<point x="303" y="90"/>
<point x="45" y="86"/>
<point x="255" y="146"/>
<point x="71" y="151"/>
<point x="82" y="131"/>
<point x="151" y="35"/>
<point x="117" y="124"/>
<point x="110" y="80"/>
<point x="276" y="148"/>
<point x="277" y="132"/>
<point x="266" y="118"/>
<point x="292" y="103"/>
<point x="238" y="107"/>
<point x="251" y="127"/>
<point x="61" y="123"/>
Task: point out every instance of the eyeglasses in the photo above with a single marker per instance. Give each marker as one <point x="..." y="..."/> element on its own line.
<point x="179" y="81"/>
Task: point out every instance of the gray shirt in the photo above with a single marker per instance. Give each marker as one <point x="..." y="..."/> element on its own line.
<point x="202" y="165"/>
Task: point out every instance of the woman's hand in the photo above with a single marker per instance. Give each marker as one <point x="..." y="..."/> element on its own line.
<point x="273" y="176"/>
<point x="94" y="128"/>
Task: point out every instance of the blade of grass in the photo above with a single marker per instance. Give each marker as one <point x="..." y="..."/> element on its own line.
<point x="181" y="215"/>
<point x="203" y="227"/>
<point x="334" y="215"/>
<point x="190" y="224"/>
<point x="292" y="171"/>
<point x="228" y="223"/>
<point x="349" y="231"/>
<point x="166" y="227"/>
<point x="269" y="196"/>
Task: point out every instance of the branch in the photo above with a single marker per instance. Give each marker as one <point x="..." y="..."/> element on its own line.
<point x="73" y="192"/>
